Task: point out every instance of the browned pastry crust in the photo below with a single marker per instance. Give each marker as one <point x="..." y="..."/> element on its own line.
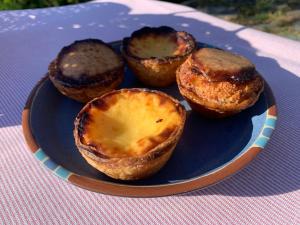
<point x="215" y="83"/>
<point x="129" y="134"/>
<point x="154" y="53"/>
<point x="82" y="72"/>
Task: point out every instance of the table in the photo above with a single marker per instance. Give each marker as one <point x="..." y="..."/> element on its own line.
<point x="265" y="192"/>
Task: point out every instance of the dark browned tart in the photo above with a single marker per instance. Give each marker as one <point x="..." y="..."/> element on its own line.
<point x="86" y="69"/>
<point x="154" y="53"/>
<point x="218" y="83"/>
<point x="129" y="134"/>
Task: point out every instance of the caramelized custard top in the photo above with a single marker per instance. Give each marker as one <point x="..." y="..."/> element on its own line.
<point x="130" y="122"/>
<point x="159" y="42"/>
<point x="87" y="58"/>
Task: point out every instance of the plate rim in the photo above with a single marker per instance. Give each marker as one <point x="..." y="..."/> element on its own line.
<point x="105" y="187"/>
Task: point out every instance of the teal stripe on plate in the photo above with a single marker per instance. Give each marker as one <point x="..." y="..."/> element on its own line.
<point x="267" y="131"/>
<point x="50" y="164"/>
<point x="261" y="141"/>
<point x="63" y="173"/>
<point x="40" y="154"/>
<point x="270" y="122"/>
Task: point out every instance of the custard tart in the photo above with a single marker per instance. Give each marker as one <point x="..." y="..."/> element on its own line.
<point x="218" y="83"/>
<point x="86" y="69"/>
<point x="154" y="53"/>
<point x="129" y="134"/>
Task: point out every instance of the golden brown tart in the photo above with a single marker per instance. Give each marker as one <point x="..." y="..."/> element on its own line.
<point x="86" y="69"/>
<point x="129" y="134"/>
<point x="154" y="53"/>
<point x="217" y="83"/>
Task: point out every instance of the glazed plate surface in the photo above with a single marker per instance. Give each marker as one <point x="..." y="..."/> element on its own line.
<point x="208" y="151"/>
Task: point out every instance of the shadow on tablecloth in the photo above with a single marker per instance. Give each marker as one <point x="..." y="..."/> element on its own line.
<point x="275" y="171"/>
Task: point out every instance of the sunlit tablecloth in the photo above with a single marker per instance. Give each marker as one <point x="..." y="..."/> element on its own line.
<point x="266" y="192"/>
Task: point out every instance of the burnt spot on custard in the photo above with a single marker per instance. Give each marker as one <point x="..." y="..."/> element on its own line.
<point x="83" y="118"/>
<point x="100" y="104"/>
<point x="163" y="101"/>
<point x="83" y="80"/>
<point x="241" y="77"/>
<point x="186" y="42"/>
<point x="147" y="144"/>
<point x="166" y="133"/>
<point x="159" y="120"/>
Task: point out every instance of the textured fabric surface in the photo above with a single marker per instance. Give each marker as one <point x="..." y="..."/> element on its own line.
<point x="265" y="192"/>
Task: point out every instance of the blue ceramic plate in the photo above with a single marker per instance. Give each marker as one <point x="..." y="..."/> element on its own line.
<point x="208" y="151"/>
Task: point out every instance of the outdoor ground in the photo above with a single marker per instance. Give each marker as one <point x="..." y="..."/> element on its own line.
<point x="282" y="19"/>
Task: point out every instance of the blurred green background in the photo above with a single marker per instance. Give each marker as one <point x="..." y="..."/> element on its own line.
<point x="274" y="16"/>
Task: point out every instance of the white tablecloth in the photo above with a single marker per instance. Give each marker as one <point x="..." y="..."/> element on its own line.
<point x="266" y="192"/>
